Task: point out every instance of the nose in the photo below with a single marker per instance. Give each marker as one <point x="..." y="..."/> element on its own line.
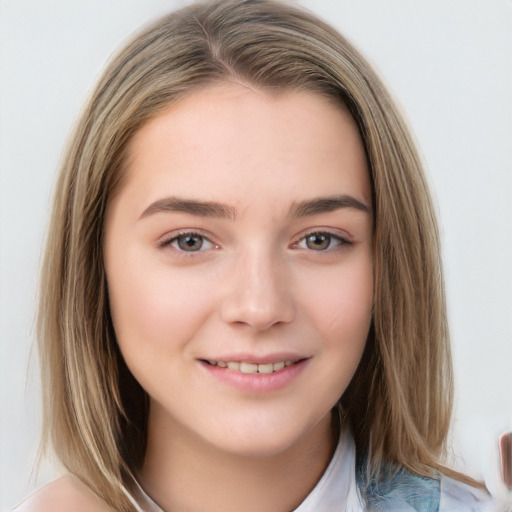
<point x="258" y="293"/>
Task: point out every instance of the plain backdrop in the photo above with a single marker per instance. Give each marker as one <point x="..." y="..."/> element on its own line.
<point x="448" y="64"/>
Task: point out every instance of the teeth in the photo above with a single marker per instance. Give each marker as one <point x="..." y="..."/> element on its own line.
<point x="246" y="367"/>
<point x="265" y="368"/>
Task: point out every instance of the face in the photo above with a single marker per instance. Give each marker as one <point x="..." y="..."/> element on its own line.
<point x="239" y="264"/>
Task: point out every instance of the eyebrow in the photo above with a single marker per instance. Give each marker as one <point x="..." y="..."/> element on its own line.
<point x="327" y="204"/>
<point x="192" y="206"/>
<point x="219" y="210"/>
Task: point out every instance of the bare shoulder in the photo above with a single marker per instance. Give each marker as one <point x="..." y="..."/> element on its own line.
<point x="64" y="494"/>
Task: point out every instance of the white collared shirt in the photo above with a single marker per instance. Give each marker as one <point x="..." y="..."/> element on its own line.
<point x="337" y="489"/>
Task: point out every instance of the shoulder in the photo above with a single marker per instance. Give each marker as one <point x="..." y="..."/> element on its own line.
<point x="64" y="494"/>
<point x="457" y="495"/>
<point x="401" y="490"/>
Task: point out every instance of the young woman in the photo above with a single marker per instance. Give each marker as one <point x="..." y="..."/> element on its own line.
<point x="242" y="299"/>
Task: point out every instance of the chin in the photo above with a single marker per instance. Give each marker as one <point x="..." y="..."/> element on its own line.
<point x="259" y="438"/>
<point x="257" y="446"/>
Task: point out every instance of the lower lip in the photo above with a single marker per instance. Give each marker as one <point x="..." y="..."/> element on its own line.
<point x="257" y="382"/>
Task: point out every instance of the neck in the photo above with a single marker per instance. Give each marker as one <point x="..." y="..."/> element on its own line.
<point x="182" y="471"/>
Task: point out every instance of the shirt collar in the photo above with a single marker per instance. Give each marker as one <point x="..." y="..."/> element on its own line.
<point x="337" y="488"/>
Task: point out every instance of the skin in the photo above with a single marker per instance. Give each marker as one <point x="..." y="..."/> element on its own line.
<point x="64" y="494"/>
<point x="268" y="280"/>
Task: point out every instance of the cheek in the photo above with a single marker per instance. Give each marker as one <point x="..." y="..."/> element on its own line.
<point x="154" y="308"/>
<point x="155" y="314"/>
<point x="346" y="320"/>
<point x="341" y="304"/>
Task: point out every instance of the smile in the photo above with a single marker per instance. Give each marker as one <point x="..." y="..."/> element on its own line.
<point x="256" y="376"/>
<point x="247" y="367"/>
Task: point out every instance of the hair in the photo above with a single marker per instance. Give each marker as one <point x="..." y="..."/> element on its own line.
<point x="400" y="399"/>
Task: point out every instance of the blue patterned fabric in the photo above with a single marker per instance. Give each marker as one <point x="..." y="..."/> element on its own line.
<point x="401" y="492"/>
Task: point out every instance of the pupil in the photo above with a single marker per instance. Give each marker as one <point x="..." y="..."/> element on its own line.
<point x="190" y="242"/>
<point x="318" y="242"/>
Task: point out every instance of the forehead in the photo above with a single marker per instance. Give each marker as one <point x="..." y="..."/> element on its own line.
<point x="230" y="140"/>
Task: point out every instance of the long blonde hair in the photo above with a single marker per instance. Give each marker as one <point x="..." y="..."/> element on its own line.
<point x="400" y="399"/>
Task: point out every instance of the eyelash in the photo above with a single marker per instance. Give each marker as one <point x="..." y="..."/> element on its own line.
<point x="339" y="242"/>
<point x="187" y="234"/>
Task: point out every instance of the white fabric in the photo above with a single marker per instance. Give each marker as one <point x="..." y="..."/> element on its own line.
<point x="456" y="497"/>
<point x="337" y="489"/>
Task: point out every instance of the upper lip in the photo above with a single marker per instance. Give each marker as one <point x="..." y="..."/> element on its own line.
<point x="258" y="359"/>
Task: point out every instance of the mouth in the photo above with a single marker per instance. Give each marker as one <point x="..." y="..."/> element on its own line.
<point x="248" y="367"/>
<point x="254" y="374"/>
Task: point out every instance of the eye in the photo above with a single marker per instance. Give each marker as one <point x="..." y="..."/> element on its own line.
<point x="189" y="242"/>
<point x="321" y="241"/>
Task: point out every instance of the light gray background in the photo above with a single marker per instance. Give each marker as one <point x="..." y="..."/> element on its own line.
<point x="448" y="63"/>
